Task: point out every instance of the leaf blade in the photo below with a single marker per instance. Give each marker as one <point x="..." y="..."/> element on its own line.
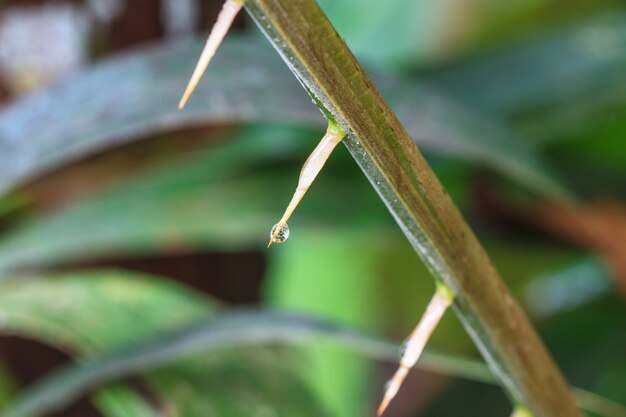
<point x="245" y="85"/>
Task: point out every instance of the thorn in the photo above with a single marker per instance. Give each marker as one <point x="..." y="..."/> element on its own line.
<point x="392" y="387"/>
<point x="310" y="169"/>
<point x="383" y="405"/>
<point x="224" y="22"/>
<point x="417" y="341"/>
<point x="278" y="229"/>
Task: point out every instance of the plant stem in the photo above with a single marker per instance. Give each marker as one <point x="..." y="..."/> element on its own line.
<point x="319" y="58"/>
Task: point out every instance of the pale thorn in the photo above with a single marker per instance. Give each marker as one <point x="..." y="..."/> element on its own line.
<point x="417" y="341"/>
<point x="391" y="389"/>
<point x="384" y="404"/>
<point x="222" y="25"/>
<point x="312" y="166"/>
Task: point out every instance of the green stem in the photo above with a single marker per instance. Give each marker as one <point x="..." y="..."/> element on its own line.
<point x="319" y="58"/>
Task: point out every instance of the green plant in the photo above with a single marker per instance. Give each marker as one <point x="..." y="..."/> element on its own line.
<point x="321" y="61"/>
<point x="221" y="188"/>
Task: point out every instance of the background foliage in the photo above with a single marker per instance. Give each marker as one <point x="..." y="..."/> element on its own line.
<point x="125" y="222"/>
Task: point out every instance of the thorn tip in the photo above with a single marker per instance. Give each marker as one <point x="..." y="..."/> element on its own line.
<point x="416" y="343"/>
<point x="383" y="405"/>
<point x="277" y="229"/>
<point x="224" y="21"/>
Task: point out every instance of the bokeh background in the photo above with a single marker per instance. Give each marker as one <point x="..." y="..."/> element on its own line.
<point x="123" y="220"/>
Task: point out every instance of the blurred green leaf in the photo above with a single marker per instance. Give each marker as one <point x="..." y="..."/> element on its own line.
<point x="333" y="275"/>
<point x="440" y="125"/>
<point x="218" y="197"/>
<point x="594" y="161"/>
<point x="589" y="342"/>
<point x="576" y="308"/>
<point x="89" y="314"/>
<point x="509" y="20"/>
<point x="523" y="261"/>
<point x="557" y="85"/>
<point x="227" y="330"/>
<point x="120" y="400"/>
<point x="134" y="96"/>
<point x="395" y="32"/>
<point x="358" y="267"/>
<point x="409" y="33"/>
<point x="8" y="387"/>
<point x="568" y="288"/>
<point x="191" y="204"/>
<point x="236" y="329"/>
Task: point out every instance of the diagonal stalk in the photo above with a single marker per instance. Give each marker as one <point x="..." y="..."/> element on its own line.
<point x="319" y="58"/>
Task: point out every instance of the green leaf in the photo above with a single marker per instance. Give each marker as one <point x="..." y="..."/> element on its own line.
<point x="395" y="32"/>
<point x="331" y="275"/>
<point x="570" y="287"/>
<point x="135" y="95"/>
<point x="401" y="33"/>
<point x="438" y="124"/>
<point x="118" y="102"/>
<point x="193" y="203"/>
<point x="8" y="387"/>
<point x="216" y="198"/>
<point x="236" y="329"/>
<point x="89" y="314"/>
<point x="120" y="400"/>
<point x="43" y="308"/>
<point x="226" y="331"/>
<point x="555" y="86"/>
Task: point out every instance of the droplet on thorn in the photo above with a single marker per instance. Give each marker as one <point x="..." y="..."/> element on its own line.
<point x="311" y="168"/>
<point x="279" y="233"/>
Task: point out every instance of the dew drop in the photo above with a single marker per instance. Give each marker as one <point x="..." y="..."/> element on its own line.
<point x="403" y="349"/>
<point x="388" y="385"/>
<point x="282" y="235"/>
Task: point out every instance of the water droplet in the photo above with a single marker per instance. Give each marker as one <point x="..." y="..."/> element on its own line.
<point x="282" y="235"/>
<point x="404" y="348"/>
<point x="388" y="385"/>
